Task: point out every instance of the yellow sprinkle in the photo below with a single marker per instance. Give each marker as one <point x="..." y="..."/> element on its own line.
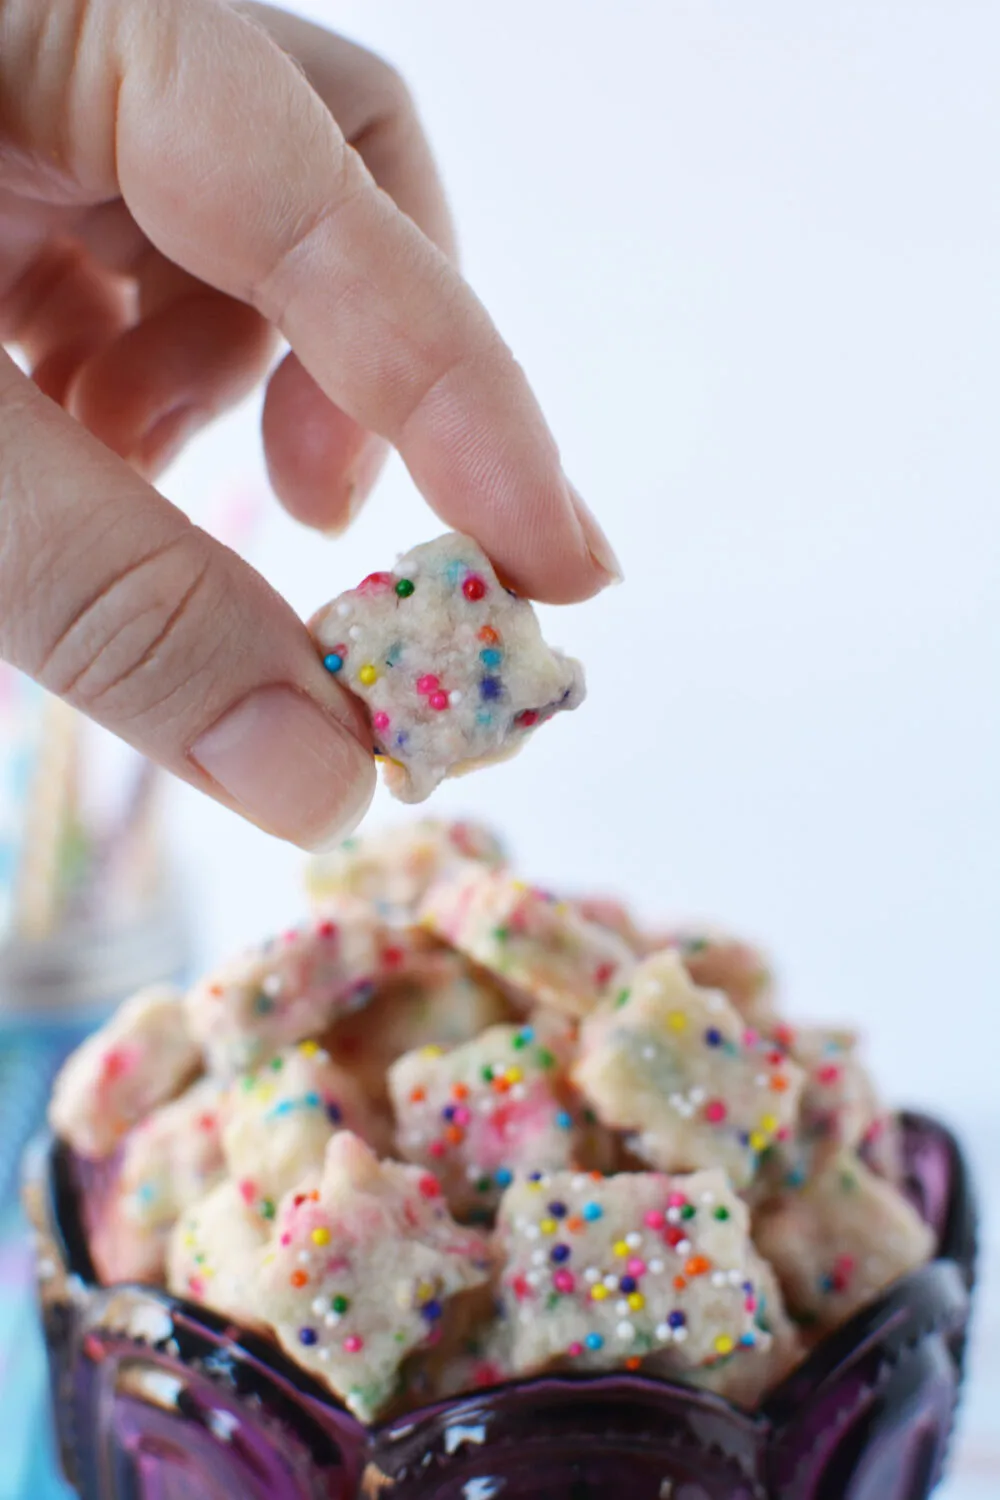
<point x="425" y="1291"/>
<point x="321" y="1236"/>
<point x="548" y="1226"/>
<point x="368" y="674"/>
<point x="534" y="1187"/>
<point x="514" y="1075"/>
<point x="621" y="1249"/>
<point x="189" y="1241"/>
<point x="757" y="1141"/>
<point x="309" y="1049"/>
<point x="677" y="1020"/>
<point x="769" y="1123"/>
<point x="431" y="1051"/>
<point x="636" y="1301"/>
<point x="598" y="1293"/>
<point x="265" y="1093"/>
<point x="724" y="1344"/>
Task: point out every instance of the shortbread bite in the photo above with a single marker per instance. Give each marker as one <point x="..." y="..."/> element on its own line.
<point x="676" y="1066"/>
<point x="394" y="868"/>
<point x="361" y="1270"/>
<point x="139" y="1059"/>
<point x="487" y="1111"/>
<point x="748" y="1374"/>
<point x="450" y="665"/>
<point x="294" y="986"/>
<point x="280" y="1117"/>
<point x="839" y="1100"/>
<point x="214" y="1254"/>
<point x="540" y="947"/>
<point x="603" y="1272"/>
<point x="840" y="1240"/>
<point x="440" y="1001"/>
<point x="717" y="961"/>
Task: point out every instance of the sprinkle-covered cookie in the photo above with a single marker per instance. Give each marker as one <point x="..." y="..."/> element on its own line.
<point x="602" y="1272"/>
<point x="840" y="1240"/>
<point x="450" y="665"/>
<point x="716" y="961"/>
<point x="676" y="1065"/>
<point x="482" y="1113"/>
<point x="140" y="1058"/>
<point x="214" y="1254"/>
<point x="839" y="1101"/>
<point x="280" y="1117"/>
<point x="360" y="1271"/>
<point x="440" y="1001"/>
<point x="539" y="946"/>
<point x="295" y="985"/>
<point x="394" y="868"/>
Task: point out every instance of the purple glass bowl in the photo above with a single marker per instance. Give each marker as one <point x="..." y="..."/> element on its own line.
<point x="157" y="1399"/>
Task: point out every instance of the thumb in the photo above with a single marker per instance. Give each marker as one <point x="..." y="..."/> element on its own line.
<point x="113" y="600"/>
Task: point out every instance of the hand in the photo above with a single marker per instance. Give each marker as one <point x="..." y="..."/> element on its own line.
<point x="180" y="184"/>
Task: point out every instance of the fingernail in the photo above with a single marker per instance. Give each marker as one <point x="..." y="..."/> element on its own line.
<point x="289" y="766"/>
<point x="598" y="545"/>
<point x="360" y="480"/>
<point x="164" y="440"/>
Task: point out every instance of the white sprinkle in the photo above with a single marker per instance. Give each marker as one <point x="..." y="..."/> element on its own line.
<point x="518" y="1092"/>
<point x="538" y="1257"/>
<point x="472" y="1172"/>
<point x="649" y="1053"/>
<point x="633" y="1240"/>
<point x="355" y="632"/>
<point x="684" y="1247"/>
<point x="331" y="1320"/>
<point x="520" y="1222"/>
<point x="719" y="1278"/>
<point x="680" y="1334"/>
<point x="526" y="1315"/>
<point x="673" y="1216"/>
<point x="760" y="1080"/>
<point x="304" y="1257"/>
<point x="611" y="1282"/>
<point x="591" y="1274"/>
<point x="532" y="1232"/>
<point x="455" y="697"/>
<point x="343" y="609"/>
<point x="707" y="1198"/>
<point x="534" y="1278"/>
<point x="324" y="1355"/>
<point x="626" y="1332"/>
<point x="697" y="1096"/>
<point x="664" y="1332"/>
<point x="655" y="1267"/>
<point x="319" y="1307"/>
<point x="578" y="1184"/>
<point x="621" y="1308"/>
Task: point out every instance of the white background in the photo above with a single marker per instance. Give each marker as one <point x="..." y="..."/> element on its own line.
<point x="750" y="257"/>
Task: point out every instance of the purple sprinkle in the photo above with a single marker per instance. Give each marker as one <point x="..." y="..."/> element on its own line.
<point x="308" y="1336"/>
<point x="560" y="1253"/>
<point x="557" y="1210"/>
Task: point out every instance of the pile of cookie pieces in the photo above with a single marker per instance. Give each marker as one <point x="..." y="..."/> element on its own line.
<point x="455" y="1130"/>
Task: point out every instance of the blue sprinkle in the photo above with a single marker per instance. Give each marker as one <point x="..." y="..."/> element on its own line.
<point x="559" y="1253"/>
<point x="676" y="1319"/>
<point x="431" y="1311"/>
<point x="534" y="1176"/>
<point x="146" y="1193"/>
<point x="504" y="1177"/>
<point x="592" y="1211"/>
<point x="333" y="1113"/>
<point x="311" y="1101"/>
<point x="402" y="737"/>
<point x="308" y="1336"/>
<point x="713" y="1037"/>
<point x="526" y="1034"/>
<point x="455" y="570"/>
<point x="262" y="1005"/>
<point x="490" y="688"/>
<point x="484" y="718"/>
<point x="490" y="657"/>
<point x="333" y="662"/>
<point x="627" y="1284"/>
<point x="564" y="1120"/>
<point x="448" y="1112"/>
<point x="284" y="1108"/>
<point x="557" y="1210"/>
<point x="594" y="1341"/>
<point x="748" y="1340"/>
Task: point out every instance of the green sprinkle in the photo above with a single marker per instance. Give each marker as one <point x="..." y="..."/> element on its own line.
<point x="622" y="998"/>
<point x="501" y="934"/>
<point x="688" y="1211"/>
<point x="722" y="1213"/>
<point x="340" y="1304"/>
<point x="848" y="1182"/>
<point x="276" y="1064"/>
<point x="544" y="1058"/>
<point x="519" y="1041"/>
<point x="266" y="1209"/>
<point x="486" y="1074"/>
<point x="697" y="945"/>
<point x="404" y="588"/>
<point x="262" y="1005"/>
<point x="551" y="1301"/>
<point x="483" y="1185"/>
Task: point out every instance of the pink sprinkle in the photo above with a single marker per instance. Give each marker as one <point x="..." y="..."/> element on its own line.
<point x="427" y="684"/>
<point x="429" y="1186"/>
<point x="196" y="1286"/>
<point x="715" y="1111"/>
<point x="751" y="1038"/>
<point x="830" y="1074"/>
<point x="654" y="1219"/>
<point x="326" y="929"/>
<point x="353" y="1344"/>
<point x="564" y="1281"/>
<point x="380" y="721"/>
<point x="602" y="974"/>
<point x="750" y="1305"/>
<point x="636" y="1267"/>
<point x="248" y="1190"/>
<point x="676" y="1200"/>
<point x="437" y="1149"/>
<point x="575" y="1350"/>
<point x="462" y="1116"/>
<point x="438" y="700"/>
<point x="286" y="1238"/>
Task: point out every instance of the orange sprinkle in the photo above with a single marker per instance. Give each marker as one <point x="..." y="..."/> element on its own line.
<point x="501" y="1086"/>
<point x="454" y="1135"/>
<point x="215" y="989"/>
<point x="679" y="1283"/>
<point x="488" y="635"/>
<point x="314" y="1196"/>
<point x="778" y="1083"/>
<point x="632" y="1363"/>
<point x="597" y="1176"/>
<point x="418" y="1096"/>
<point x="698" y="1265"/>
<point x="574" y="1224"/>
<point x="298" y="1278"/>
<point x="459" y="1091"/>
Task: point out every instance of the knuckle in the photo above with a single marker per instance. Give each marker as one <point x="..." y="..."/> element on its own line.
<point x="144" y="638"/>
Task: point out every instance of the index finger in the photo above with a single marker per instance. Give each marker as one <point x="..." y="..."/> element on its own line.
<point x="233" y="167"/>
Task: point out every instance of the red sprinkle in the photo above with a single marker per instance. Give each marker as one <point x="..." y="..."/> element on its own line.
<point x="393" y="957"/>
<point x="376" y="581"/>
<point x="474" y="588"/>
<point x="353" y="1344"/>
<point x="428" y="684"/>
<point x="429" y="1186"/>
<point x="326" y="929"/>
<point x="829" y="1074"/>
<point x="715" y="1111"/>
<point x="438" y="700"/>
<point x="248" y="1191"/>
<point x="528" y="719"/>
